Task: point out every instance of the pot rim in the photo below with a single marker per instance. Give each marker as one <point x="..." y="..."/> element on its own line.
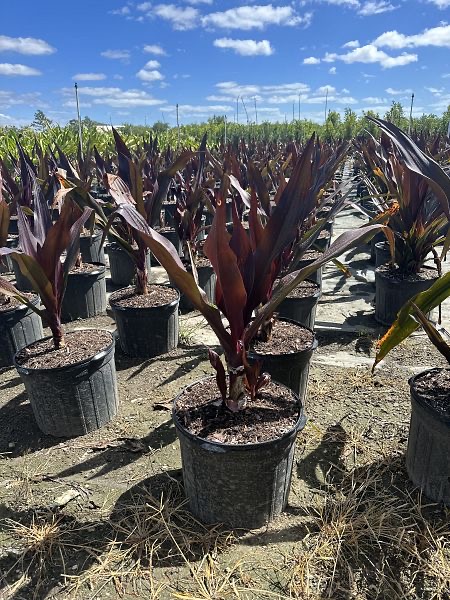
<point x="100" y="270"/>
<point x="299" y="425"/>
<point x="142" y="308"/>
<point x="314" y="345"/>
<point x="97" y="357"/>
<point x="381" y="273"/>
<point x="418" y="398"/>
<point x="317" y="294"/>
<point x="35" y="300"/>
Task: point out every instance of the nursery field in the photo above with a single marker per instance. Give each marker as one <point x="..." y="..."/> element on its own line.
<point x="104" y="515"/>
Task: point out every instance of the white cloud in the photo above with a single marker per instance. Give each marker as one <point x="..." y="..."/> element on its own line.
<point x="149" y="72"/>
<point x="114" y="96"/>
<point x="351" y="44"/>
<point x="374" y="100"/>
<point x="230" y="90"/>
<point x="116" y="54"/>
<point x="144" y="6"/>
<point x="21" y="45"/>
<point x="11" y="70"/>
<point x="375" y="8"/>
<point x="89" y="77"/>
<point x="332" y="71"/>
<point x="199" y="1"/>
<point x="155" y="49"/>
<point x="440" y="3"/>
<point x="123" y="11"/>
<point x="255" y="17"/>
<point x="32" y="99"/>
<point x="396" y="92"/>
<point x="436" y="36"/>
<point x="370" y="54"/>
<point x="311" y="60"/>
<point x="181" y="18"/>
<point x="246" y="47"/>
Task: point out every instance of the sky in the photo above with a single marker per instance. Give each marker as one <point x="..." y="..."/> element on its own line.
<point x="134" y="61"/>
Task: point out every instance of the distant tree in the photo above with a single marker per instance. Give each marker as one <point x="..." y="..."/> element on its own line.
<point x="41" y="121"/>
<point x="351" y="124"/>
<point x="396" y="115"/>
<point x="159" y="127"/>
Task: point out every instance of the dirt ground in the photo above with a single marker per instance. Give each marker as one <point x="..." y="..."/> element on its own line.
<point x="103" y="516"/>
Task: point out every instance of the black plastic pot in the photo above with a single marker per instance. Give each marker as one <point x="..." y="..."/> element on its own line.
<point x="391" y="294"/>
<point x="207" y="281"/>
<point x="292" y="370"/>
<point x="323" y="243"/>
<point x="169" y="213"/>
<point x="13" y="227"/>
<point x="85" y="295"/>
<point x="301" y="310"/>
<point x="242" y="485"/>
<point x="19" y="327"/>
<point x="172" y="236"/>
<point x="316" y="276"/>
<point x="428" y="452"/>
<point x="382" y="253"/>
<point x="91" y="248"/>
<point x="73" y="400"/>
<point x="122" y="267"/>
<point x="147" y="332"/>
<point x="378" y="237"/>
<point x="22" y="282"/>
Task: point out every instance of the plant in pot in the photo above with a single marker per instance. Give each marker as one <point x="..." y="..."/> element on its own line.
<point x="237" y="437"/>
<point x="422" y="193"/>
<point x="19" y="325"/>
<point x="70" y="377"/>
<point x="146" y="314"/>
<point x="428" y="450"/>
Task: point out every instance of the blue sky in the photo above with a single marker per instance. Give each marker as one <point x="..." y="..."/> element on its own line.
<point x="134" y="61"/>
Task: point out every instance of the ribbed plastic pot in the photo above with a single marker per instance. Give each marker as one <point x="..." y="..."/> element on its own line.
<point x="242" y="485"/>
<point x="207" y="281"/>
<point x="13" y="227"/>
<point x="391" y="294"/>
<point x="19" y="327"/>
<point x="85" y="295"/>
<point x="428" y="452"/>
<point x="22" y="282"/>
<point x="316" y="276"/>
<point x="292" y="370"/>
<point x="121" y="266"/>
<point x="169" y="212"/>
<point x="91" y="248"/>
<point x="147" y="332"/>
<point x="301" y="310"/>
<point x="382" y="253"/>
<point x="172" y="236"/>
<point x="378" y="237"/>
<point x="73" y="400"/>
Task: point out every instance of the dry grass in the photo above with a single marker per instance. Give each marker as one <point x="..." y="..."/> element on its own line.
<point x="370" y="539"/>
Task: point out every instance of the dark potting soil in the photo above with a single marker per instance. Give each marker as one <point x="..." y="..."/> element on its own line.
<point x="84" y="268"/>
<point x="201" y="410"/>
<point x="158" y="295"/>
<point x="80" y="345"/>
<point x="311" y="255"/>
<point x="304" y="290"/>
<point x="286" y="338"/>
<point x="10" y="303"/>
<point x="434" y="389"/>
<point x="424" y="274"/>
<point x="200" y="261"/>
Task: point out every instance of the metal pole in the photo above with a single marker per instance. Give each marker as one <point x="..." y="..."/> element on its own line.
<point x="293" y="111"/>
<point x="410" y="114"/>
<point x="80" y="131"/>
<point x="256" y="111"/>
<point x="299" y="100"/>
<point x="178" y="127"/>
<point x="245" y="108"/>
<point x="237" y="109"/>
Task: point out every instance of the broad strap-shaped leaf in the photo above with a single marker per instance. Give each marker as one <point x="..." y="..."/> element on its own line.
<point x="416" y="160"/>
<point x="7" y="288"/>
<point x="168" y="257"/>
<point x="405" y="324"/>
<point x="433" y="334"/>
<point x="346" y="241"/>
<point x="4" y="216"/>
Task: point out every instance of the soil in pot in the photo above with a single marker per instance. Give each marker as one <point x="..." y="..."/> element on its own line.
<point x="309" y="257"/>
<point x="237" y="466"/>
<point x="287" y="354"/>
<point x="147" y="324"/>
<point x="72" y="390"/>
<point x="393" y="289"/>
<point x="19" y="326"/>
<point x="301" y="304"/>
<point x="121" y="265"/>
<point x="85" y="295"/>
<point x="428" y="452"/>
<point x="91" y="248"/>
